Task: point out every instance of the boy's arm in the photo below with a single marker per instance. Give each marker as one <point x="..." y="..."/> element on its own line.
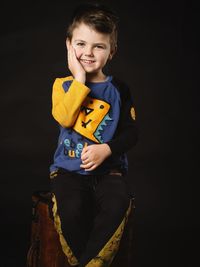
<point x="126" y="135"/>
<point x="66" y="105"/>
<point x="125" y="138"/>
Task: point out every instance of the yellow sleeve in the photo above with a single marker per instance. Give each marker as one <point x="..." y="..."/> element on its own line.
<point x="66" y="105"/>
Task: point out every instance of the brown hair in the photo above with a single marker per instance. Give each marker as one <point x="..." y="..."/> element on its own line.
<point x="97" y="16"/>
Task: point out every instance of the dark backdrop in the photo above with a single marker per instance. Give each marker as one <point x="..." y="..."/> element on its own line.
<point x="157" y="58"/>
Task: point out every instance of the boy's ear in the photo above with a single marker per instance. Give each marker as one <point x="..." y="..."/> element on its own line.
<point x="112" y="53"/>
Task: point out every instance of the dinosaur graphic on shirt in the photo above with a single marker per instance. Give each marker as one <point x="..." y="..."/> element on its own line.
<point x="92" y="119"/>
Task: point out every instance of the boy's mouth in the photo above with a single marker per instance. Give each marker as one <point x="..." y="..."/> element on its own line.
<point x="87" y="61"/>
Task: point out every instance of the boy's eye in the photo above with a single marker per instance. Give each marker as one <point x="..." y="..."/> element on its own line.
<point x="80" y="44"/>
<point x="100" y="46"/>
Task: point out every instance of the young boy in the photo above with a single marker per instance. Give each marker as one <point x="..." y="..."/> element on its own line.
<point x="97" y="126"/>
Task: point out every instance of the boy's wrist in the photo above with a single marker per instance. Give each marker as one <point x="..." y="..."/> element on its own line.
<point x="80" y="79"/>
<point x="107" y="149"/>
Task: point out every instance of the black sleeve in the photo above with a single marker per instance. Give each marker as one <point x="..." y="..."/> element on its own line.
<point x="126" y="135"/>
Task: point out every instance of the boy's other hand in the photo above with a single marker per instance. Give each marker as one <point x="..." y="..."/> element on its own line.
<point x="92" y="156"/>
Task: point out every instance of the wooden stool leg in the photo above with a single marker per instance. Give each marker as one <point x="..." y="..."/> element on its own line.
<point x="45" y="249"/>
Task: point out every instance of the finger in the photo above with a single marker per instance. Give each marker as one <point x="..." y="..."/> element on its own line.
<point x="84" y="156"/>
<point x="85" y="161"/>
<point x="68" y="43"/>
<point x="69" y="56"/>
<point x="83" y="153"/>
<point x="87" y="165"/>
<point x="92" y="168"/>
<point x="73" y="52"/>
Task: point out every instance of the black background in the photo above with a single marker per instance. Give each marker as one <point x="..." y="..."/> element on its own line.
<point x="157" y="57"/>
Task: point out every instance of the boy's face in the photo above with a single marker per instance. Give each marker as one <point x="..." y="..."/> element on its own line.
<point x="92" y="48"/>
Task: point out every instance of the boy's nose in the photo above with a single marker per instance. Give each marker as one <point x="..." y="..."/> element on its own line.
<point x="88" y="51"/>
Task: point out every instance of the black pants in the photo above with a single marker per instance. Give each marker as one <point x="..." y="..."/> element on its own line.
<point x="90" y="209"/>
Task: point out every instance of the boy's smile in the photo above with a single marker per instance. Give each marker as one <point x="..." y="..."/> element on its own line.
<point x="87" y="62"/>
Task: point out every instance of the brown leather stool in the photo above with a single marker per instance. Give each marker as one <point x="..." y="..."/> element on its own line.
<point x="45" y="249"/>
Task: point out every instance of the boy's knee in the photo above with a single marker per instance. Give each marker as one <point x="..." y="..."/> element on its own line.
<point x="117" y="205"/>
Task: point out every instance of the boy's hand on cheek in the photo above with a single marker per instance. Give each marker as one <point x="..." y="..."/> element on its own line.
<point x="92" y="156"/>
<point x="74" y="65"/>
